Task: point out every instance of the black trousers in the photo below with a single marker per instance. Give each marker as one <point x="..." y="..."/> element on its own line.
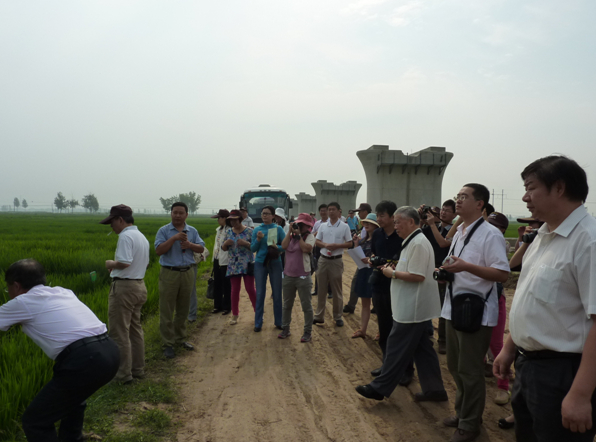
<point x="222" y="294"/>
<point x="538" y="391"/>
<point x="77" y="375"/>
<point x="407" y="343"/>
<point x="382" y="302"/>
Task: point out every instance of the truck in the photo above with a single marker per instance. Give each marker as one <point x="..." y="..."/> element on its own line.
<point x="256" y="198"/>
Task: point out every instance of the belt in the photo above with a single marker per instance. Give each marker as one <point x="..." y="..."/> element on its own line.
<point x="125" y="279"/>
<point x="331" y="257"/>
<point x="548" y="354"/>
<point x="81" y="342"/>
<point x="177" y="269"/>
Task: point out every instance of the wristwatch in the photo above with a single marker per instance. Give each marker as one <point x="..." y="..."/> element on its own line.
<point x="393" y="275"/>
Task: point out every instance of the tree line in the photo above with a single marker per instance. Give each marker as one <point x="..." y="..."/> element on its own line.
<point x="191" y="199"/>
<point x="89" y="203"/>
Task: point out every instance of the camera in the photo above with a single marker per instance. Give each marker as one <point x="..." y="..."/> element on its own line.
<point x="295" y="226"/>
<point x="377" y="261"/>
<point x="529" y="237"/>
<point x="443" y="275"/>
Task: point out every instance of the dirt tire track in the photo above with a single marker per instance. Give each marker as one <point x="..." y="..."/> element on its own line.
<point x="244" y="386"/>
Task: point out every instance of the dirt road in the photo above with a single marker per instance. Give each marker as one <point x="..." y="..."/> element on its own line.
<point x="245" y="386"/>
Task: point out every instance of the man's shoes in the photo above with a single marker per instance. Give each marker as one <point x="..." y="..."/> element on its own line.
<point x="169" y="353"/>
<point x="317" y="321"/>
<point x="442" y="348"/>
<point x="216" y="310"/>
<point x="373" y="311"/>
<point x="348" y="309"/>
<point x="505" y="424"/>
<point x="431" y="396"/>
<point x="279" y="327"/>
<point x="502" y="397"/>
<point x="187" y="346"/>
<point x="226" y="312"/>
<point x="257" y="329"/>
<point x="451" y="421"/>
<point x="368" y="392"/>
<point x="405" y="380"/>
<point x="464" y="435"/>
<point x="313" y="294"/>
<point x="285" y="333"/>
<point x="306" y="337"/>
<point x="329" y="295"/>
<point x="339" y="322"/>
<point x="376" y="372"/>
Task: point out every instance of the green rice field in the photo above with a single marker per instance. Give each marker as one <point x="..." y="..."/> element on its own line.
<point x="71" y="248"/>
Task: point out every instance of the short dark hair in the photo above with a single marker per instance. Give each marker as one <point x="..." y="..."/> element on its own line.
<point x="322" y="206"/>
<point x="270" y="208"/>
<point x="179" y="204"/>
<point x="480" y="193"/>
<point x="388" y="207"/>
<point x="27" y="272"/>
<point x="449" y="203"/>
<point x="128" y="219"/>
<point x="549" y="170"/>
<point x="334" y="204"/>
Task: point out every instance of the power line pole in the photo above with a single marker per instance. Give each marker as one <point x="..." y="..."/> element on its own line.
<point x="502" y="198"/>
<point x="493" y="197"/>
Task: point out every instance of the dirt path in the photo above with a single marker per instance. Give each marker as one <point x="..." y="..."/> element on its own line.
<point x="245" y="386"/>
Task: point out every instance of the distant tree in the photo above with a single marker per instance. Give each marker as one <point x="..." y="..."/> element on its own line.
<point x="60" y="202"/>
<point x="16" y="203"/>
<point x="24" y="203"/>
<point x="72" y="204"/>
<point x="191" y="199"/>
<point x="90" y="203"/>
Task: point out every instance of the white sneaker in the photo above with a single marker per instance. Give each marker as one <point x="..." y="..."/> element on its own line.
<point x="234" y="320"/>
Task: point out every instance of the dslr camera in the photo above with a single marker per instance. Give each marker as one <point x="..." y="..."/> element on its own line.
<point x="443" y="275"/>
<point x="528" y="238"/>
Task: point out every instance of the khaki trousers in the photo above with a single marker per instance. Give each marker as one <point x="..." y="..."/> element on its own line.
<point x="465" y="359"/>
<point x="174" y="299"/>
<point x="330" y="273"/>
<point x="126" y="298"/>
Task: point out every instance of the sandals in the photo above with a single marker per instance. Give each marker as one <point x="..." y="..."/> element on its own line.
<point x="359" y="334"/>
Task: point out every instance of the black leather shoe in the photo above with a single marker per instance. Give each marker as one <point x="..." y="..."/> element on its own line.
<point x="505" y="425"/>
<point x="226" y="312"/>
<point x="257" y="329"/>
<point x="329" y="295"/>
<point x="169" y="353"/>
<point x="376" y="372"/>
<point x="216" y="310"/>
<point x="373" y="311"/>
<point x="405" y="380"/>
<point x="279" y="327"/>
<point x="317" y="321"/>
<point x="187" y="346"/>
<point x="348" y="309"/>
<point x="431" y="396"/>
<point x="368" y="392"/>
<point x="339" y="322"/>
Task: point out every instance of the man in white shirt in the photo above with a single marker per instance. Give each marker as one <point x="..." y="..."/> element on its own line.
<point x="69" y="333"/>
<point x="332" y="238"/>
<point x="477" y="260"/>
<point x="553" y="311"/>
<point x="317" y="251"/>
<point x="415" y="302"/>
<point x="128" y="293"/>
<point x="246" y="220"/>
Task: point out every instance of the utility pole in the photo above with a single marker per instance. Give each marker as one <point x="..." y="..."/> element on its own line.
<point x="502" y="198"/>
<point x="493" y="197"/>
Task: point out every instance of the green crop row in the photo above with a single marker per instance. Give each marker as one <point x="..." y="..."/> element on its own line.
<point x="70" y="248"/>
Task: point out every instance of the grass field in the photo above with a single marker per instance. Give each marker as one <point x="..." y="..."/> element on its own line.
<point x="70" y="247"/>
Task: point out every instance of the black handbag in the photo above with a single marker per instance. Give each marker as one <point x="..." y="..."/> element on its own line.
<point x="210" y="287"/>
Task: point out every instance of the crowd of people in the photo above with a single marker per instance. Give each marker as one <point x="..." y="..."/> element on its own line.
<point x="417" y="264"/>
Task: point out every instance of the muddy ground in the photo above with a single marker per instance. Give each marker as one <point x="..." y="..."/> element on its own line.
<point x="245" y="386"/>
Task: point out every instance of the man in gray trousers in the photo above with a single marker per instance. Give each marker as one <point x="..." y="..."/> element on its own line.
<point x="415" y="302"/>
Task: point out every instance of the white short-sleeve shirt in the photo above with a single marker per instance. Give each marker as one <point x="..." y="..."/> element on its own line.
<point x="337" y="233"/>
<point x="486" y="249"/>
<point x="556" y="291"/>
<point x="132" y="249"/>
<point x="416" y="301"/>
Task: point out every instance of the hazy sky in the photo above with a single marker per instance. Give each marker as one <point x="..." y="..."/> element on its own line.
<point x="140" y="99"/>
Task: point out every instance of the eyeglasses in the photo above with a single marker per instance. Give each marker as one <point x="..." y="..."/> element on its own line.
<point x="461" y="197"/>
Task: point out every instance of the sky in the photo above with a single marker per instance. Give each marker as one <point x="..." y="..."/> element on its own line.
<point x="138" y="100"/>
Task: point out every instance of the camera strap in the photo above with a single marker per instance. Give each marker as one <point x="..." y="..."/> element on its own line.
<point x="466" y="241"/>
<point x="412" y="236"/>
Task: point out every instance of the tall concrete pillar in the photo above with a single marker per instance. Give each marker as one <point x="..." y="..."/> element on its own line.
<point x="295" y="210"/>
<point x="344" y="194"/>
<point x="306" y="203"/>
<point x="407" y="179"/>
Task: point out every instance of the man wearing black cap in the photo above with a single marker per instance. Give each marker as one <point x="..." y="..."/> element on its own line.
<point x="128" y="293"/>
<point x="246" y="220"/>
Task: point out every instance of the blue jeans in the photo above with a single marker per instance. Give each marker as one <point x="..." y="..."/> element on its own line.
<point x="274" y="270"/>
